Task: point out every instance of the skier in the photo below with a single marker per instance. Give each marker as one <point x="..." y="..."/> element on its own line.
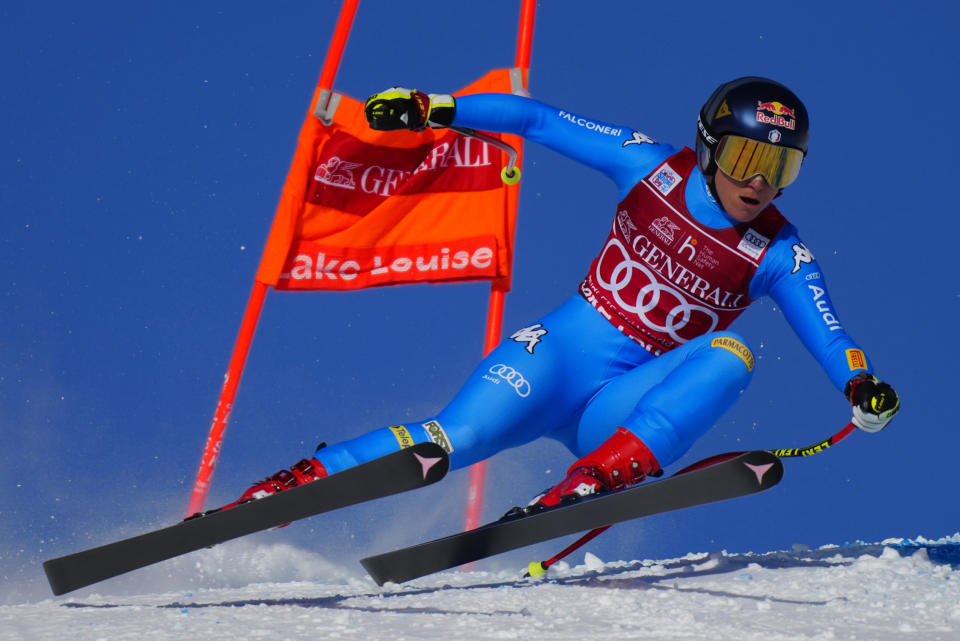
<point x="639" y="363"/>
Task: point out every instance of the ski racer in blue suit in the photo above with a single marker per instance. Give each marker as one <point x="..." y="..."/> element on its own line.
<point x="638" y="363"/>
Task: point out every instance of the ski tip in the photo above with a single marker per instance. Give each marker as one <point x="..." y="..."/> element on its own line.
<point x="373" y="569"/>
<point x="58" y="584"/>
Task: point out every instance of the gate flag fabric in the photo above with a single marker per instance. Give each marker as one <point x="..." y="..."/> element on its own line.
<point x="362" y="208"/>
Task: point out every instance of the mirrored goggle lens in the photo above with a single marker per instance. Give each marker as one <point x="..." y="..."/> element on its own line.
<point x="743" y="158"/>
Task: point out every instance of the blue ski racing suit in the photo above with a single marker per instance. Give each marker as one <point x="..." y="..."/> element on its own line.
<point x="643" y="342"/>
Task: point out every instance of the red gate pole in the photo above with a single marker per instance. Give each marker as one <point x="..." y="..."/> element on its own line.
<point x="478" y="472"/>
<point x="231" y="381"/>
<point x="255" y="305"/>
<point x="525" y="35"/>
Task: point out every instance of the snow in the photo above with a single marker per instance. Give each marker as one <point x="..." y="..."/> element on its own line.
<point x="895" y="590"/>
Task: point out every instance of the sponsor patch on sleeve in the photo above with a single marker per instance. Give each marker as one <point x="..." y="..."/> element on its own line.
<point x="736" y="347"/>
<point x="856" y="359"/>
<point x="438" y="435"/>
<point x="402" y="435"/>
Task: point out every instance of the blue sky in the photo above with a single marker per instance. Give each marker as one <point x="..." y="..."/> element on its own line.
<point x="144" y="151"/>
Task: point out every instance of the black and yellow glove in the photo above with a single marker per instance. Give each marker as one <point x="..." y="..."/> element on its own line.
<point x="399" y="108"/>
<point x="874" y="402"/>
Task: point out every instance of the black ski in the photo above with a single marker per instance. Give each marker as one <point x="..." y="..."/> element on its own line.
<point x="748" y="473"/>
<point x="413" y="467"/>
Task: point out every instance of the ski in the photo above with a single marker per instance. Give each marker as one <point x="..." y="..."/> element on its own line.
<point x="745" y="474"/>
<point x="416" y="466"/>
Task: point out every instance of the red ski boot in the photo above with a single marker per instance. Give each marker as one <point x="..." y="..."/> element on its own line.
<point x="620" y="461"/>
<point x="305" y="471"/>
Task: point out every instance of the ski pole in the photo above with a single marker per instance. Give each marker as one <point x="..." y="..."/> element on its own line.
<point x="539" y="568"/>
<point x="510" y="175"/>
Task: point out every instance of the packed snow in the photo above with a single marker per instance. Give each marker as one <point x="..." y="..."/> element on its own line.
<point x="896" y="590"/>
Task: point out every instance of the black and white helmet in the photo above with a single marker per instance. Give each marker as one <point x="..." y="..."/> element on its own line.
<point x="757" y="109"/>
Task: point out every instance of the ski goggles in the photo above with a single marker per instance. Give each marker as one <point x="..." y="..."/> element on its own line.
<point x="742" y="158"/>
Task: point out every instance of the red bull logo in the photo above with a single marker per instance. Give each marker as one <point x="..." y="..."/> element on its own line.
<point x="783" y="116"/>
<point x="777" y="108"/>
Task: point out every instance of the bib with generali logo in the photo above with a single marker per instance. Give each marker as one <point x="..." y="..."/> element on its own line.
<point x="662" y="278"/>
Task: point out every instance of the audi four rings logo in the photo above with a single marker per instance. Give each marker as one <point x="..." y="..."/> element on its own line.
<point x="512" y="376"/>
<point x="631" y="276"/>
<point x="755" y="240"/>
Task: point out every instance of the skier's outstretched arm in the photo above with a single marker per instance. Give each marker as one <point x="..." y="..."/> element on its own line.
<point x="792" y="277"/>
<point x="622" y="153"/>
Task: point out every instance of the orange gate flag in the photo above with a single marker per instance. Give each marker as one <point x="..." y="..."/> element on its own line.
<point x="364" y="208"/>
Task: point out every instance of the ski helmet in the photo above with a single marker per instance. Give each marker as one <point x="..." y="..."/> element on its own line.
<point x="753" y="109"/>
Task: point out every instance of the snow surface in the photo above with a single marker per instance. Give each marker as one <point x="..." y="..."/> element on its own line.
<point x="896" y="590"/>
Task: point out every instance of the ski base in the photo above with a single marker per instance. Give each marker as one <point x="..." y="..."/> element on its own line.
<point x="410" y="468"/>
<point x="745" y="474"/>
